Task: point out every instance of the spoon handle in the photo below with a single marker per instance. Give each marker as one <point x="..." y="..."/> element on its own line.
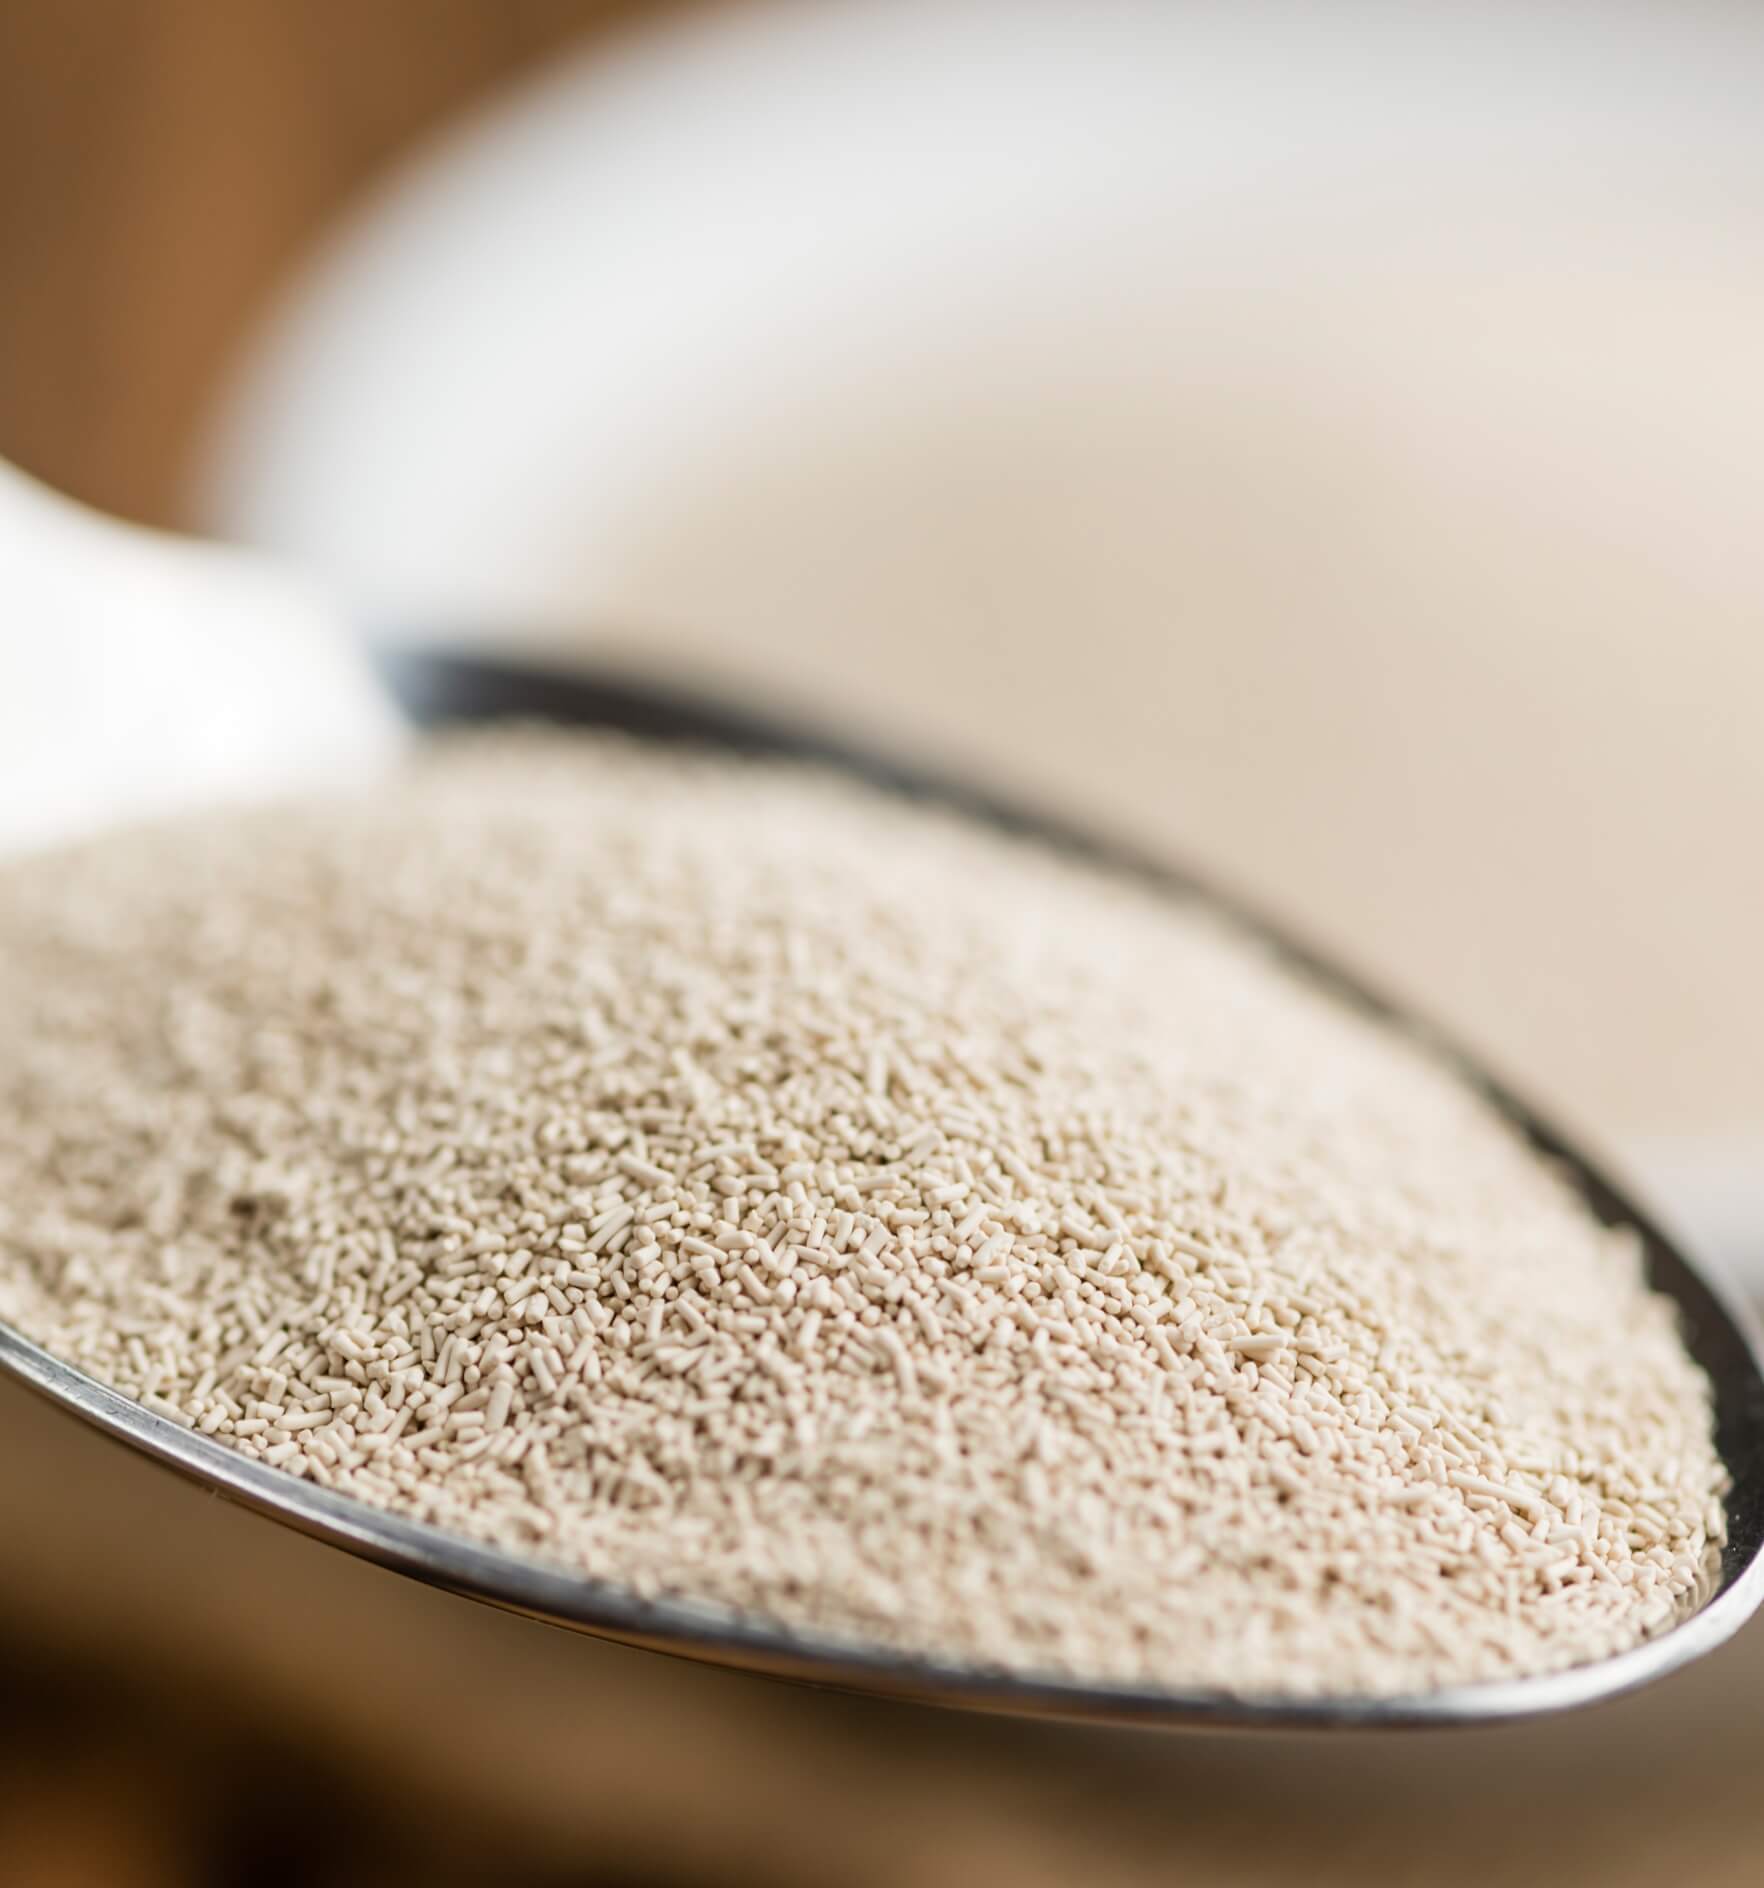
<point x="141" y="672"/>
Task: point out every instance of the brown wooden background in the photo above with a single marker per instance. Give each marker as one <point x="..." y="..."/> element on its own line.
<point x="162" y="161"/>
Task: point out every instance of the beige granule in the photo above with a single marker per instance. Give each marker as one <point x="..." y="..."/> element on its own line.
<point x="739" y="1185"/>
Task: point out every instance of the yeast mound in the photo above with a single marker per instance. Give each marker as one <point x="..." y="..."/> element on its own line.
<point x="731" y="1183"/>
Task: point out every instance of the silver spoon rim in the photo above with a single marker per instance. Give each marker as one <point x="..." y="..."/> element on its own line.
<point x="438" y="1558"/>
<point x="437" y="685"/>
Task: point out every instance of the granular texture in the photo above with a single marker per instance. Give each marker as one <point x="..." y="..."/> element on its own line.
<point x="741" y="1186"/>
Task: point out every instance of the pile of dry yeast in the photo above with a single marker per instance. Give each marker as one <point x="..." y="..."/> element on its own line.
<point x="734" y="1184"/>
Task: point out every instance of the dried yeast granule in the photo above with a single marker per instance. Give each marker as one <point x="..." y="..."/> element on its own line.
<point x="736" y="1185"/>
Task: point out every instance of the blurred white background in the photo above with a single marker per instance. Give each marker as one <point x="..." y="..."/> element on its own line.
<point x="1320" y="441"/>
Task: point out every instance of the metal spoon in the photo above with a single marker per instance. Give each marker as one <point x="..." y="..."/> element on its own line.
<point x="436" y="687"/>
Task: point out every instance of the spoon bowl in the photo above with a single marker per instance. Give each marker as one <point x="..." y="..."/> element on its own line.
<point x="436" y="688"/>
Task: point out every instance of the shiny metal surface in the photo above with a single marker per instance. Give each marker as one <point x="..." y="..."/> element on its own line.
<point x="437" y="687"/>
